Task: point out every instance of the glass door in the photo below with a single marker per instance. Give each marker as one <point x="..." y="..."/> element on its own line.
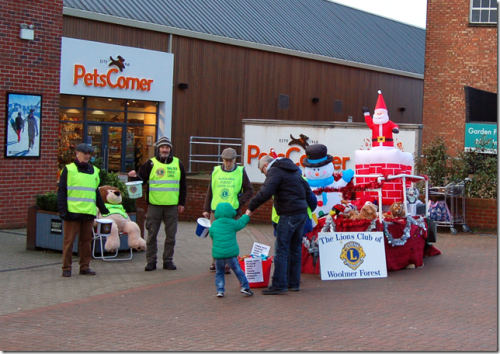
<point x="107" y="141"/>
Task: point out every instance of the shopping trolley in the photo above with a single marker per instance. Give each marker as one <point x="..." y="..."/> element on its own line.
<point x="449" y="208"/>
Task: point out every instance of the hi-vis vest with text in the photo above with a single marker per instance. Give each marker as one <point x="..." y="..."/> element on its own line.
<point x="226" y="186"/>
<point x="82" y="190"/>
<point x="116" y="209"/>
<point x="164" y="183"/>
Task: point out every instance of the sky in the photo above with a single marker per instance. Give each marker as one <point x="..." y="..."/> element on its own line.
<point x="412" y="12"/>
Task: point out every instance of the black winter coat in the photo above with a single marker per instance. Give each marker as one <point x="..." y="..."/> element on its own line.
<point x="292" y="194"/>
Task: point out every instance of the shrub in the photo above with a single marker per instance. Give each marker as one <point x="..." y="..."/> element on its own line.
<point x="47" y="201"/>
<point x="477" y="165"/>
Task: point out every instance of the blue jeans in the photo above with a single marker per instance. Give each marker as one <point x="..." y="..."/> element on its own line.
<point x="288" y="251"/>
<point x="233" y="263"/>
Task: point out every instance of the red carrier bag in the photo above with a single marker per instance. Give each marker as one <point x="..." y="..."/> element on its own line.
<point x="266" y="272"/>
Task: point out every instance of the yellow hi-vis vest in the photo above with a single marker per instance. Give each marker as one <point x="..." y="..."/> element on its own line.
<point x="82" y="190"/>
<point x="164" y="182"/>
<point x="275" y="218"/>
<point x="116" y="209"/>
<point x="226" y="186"/>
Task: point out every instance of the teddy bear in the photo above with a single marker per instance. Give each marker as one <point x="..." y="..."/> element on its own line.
<point x="121" y="221"/>
<point x="396" y="210"/>
<point x="368" y="211"/>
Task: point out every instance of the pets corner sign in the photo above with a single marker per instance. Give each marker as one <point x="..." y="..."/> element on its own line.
<point x="352" y="255"/>
<point x="108" y="70"/>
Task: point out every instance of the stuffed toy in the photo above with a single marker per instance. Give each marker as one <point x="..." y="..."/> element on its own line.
<point x="395" y="211"/>
<point x="368" y="211"/>
<point x="121" y="222"/>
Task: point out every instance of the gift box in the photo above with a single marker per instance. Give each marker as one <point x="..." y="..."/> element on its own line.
<point x="266" y="272"/>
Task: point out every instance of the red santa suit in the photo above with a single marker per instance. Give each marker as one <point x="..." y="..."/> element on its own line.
<point x="382" y="128"/>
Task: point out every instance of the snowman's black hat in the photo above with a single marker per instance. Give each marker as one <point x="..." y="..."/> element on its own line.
<point x="317" y="156"/>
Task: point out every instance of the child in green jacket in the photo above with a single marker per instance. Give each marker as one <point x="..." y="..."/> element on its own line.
<point x="225" y="249"/>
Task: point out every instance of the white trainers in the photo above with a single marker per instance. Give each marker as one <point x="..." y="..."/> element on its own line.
<point x="220" y="294"/>
<point x="247" y="292"/>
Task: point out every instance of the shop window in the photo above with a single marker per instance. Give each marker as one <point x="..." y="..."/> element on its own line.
<point x="483" y="12"/>
<point x="122" y="132"/>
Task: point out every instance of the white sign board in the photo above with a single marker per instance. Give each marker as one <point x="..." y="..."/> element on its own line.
<point x="253" y="270"/>
<point x="107" y="70"/>
<point x="352" y="255"/>
<point x="287" y="139"/>
<point x="259" y="249"/>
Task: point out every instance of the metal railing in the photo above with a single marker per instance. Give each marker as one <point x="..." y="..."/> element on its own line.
<point x="219" y="142"/>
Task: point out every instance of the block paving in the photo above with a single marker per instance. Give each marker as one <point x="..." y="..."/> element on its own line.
<point x="450" y="304"/>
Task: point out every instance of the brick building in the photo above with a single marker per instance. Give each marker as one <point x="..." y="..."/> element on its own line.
<point x="461" y="57"/>
<point x="229" y="65"/>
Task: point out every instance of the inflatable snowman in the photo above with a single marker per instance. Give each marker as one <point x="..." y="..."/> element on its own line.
<point x="319" y="174"/>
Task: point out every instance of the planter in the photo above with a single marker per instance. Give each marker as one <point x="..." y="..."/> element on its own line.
<point x="45" y="230"/>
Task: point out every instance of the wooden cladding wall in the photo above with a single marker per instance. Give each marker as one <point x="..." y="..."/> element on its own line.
<point x="229" y="83"/>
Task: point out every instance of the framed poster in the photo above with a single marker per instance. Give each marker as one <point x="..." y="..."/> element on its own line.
<point x="23" y="125"/>
<point x="149" y="140"/>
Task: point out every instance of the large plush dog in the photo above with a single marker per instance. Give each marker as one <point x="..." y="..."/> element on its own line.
<point x="121" y="221"/>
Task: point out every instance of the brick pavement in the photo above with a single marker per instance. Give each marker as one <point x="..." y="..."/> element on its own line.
<point x="450" y="304"/>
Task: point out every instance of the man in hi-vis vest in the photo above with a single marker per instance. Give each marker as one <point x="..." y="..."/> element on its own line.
<point x="166" y="198"/>
<point x="77" y="198"/>
<point x="228" y="183"/>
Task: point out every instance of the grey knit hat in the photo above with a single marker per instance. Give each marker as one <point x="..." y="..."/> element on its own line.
<point x="85" y="148"/>
<point x="163" y="141"/>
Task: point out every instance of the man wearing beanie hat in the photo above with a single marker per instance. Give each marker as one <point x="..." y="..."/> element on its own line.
<point x="77" y="198"/>
<point x="228" y="183"/>
<point x="166" y="197"/>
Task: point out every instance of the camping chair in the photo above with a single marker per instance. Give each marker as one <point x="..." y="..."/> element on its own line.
<point x="101" y="232"/>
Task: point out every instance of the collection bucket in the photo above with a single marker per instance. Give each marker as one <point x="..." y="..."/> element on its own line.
<point x="134" y="189"/>
<point x="202" y="227"/>
<point x="104" y="226"/>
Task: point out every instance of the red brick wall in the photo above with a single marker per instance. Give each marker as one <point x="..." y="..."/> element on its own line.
<point x="456" y="55"/>
<point x="29" y="67"/>
<point x="481" y="213"/>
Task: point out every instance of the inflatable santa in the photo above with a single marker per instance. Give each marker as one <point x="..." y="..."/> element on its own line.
<point x="382" y="128"/>
<point x="384" y="159"/>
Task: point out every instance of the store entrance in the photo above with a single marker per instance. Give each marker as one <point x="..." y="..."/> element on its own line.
<point x="107" y="141"/>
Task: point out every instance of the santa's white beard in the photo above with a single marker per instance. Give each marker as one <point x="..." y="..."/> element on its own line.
<point x="380" y="119"/>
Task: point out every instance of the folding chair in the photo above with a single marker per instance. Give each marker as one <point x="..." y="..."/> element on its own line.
<point x="101" y="232"/>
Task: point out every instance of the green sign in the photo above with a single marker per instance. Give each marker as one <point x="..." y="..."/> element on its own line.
<point x="475" y="131"/>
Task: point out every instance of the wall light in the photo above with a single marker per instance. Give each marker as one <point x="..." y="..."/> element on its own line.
<point x="402" y="109"/>
<point x="315" y="99"/>
<point x="183" y="86"/>
<point x="27" y="32"/>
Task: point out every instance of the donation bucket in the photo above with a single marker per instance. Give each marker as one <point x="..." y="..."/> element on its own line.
<point x="259" y="279"/>
<point x="104" y="226"/>
<point x="202" y="227"/>
<point x="134" y="189"/>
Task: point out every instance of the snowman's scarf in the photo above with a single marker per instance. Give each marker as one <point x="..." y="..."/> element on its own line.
<point x="322" y="183"/>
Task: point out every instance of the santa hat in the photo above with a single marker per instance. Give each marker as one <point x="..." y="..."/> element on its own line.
<point x="380" y="101"/>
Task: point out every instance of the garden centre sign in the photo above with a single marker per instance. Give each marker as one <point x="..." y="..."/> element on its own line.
<point x="475" y="131"/>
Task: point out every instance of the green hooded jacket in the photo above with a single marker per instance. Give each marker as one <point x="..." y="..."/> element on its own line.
<point x="223" y="231"/>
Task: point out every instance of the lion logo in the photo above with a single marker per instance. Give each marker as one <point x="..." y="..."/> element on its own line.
<point x="160" y="172"/>
<point x="352" y="255"/>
